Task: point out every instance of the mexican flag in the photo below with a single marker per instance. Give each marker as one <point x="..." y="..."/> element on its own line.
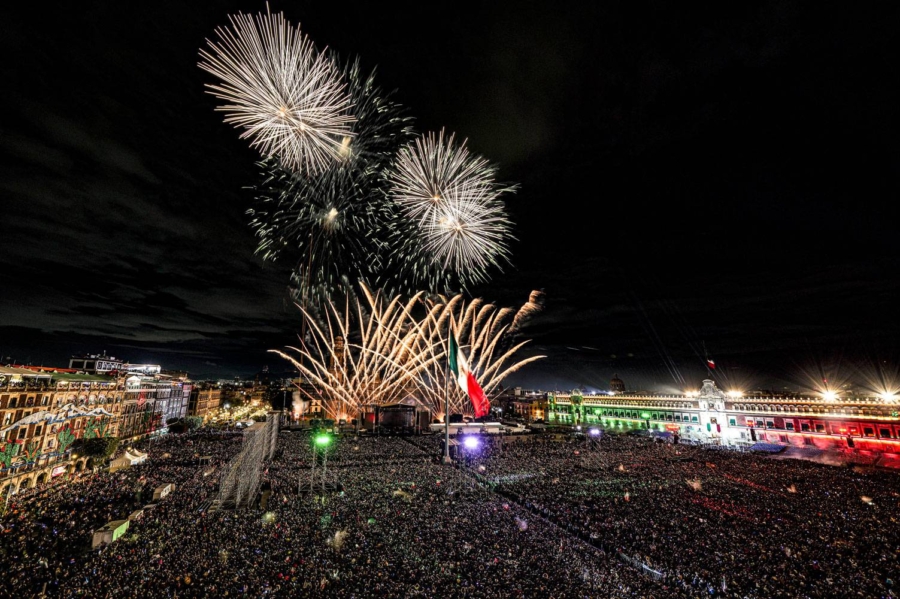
<point x="466" y="379"/>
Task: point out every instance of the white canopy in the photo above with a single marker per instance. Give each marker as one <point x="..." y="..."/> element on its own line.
<point x="129" y="458"/>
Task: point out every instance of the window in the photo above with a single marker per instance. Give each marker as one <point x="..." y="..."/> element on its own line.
<point x="820" y="428"/>
<point x="694" y="419"/>
<point x="7" y="419"/>
<point x="770" y="424"/>
<point x="12" y="402"/>
<point x="789" y="425"/>
<point x="732" y="422"/>
<point x="868" y="431"/>
<point x="677" y="417"/>
<point x="38" y="430"/>
<point x="804" y="426"/>
<point x="22" y="432"/>
<point x="885" y="433"/>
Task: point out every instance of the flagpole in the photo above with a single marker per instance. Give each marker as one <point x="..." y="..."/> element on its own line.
<point x="447" y="403"/>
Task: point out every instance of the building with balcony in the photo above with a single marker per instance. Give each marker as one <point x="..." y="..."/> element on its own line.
<point x="44" y="411"/>
<point x="712" y="416"/>
<point x="205" y="400"/>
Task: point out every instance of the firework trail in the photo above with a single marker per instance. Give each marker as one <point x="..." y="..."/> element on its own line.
<point x="288" y="97"/>
<point x="534" y="305"/>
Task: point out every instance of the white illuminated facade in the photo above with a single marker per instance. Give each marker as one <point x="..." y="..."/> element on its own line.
<point x="711" y="415"/>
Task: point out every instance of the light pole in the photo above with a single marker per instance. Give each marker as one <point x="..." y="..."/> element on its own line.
<point x="320" y="442"/>
<point x="447" y="408"/>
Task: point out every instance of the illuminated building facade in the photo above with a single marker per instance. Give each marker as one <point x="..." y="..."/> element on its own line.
<point x="712" y="416"/>
<point x="44" y="411"/>
<point x="205" y="400"/>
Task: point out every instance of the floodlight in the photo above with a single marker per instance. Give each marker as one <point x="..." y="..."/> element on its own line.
<point x="471" y="443"/>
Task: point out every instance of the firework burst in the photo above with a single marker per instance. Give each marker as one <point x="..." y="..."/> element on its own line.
<point x="452" y="202"/>
<point x="288" y="97"/>
<point x="336" y="227"/>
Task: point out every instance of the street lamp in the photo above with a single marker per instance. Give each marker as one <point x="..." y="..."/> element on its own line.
<point x="320" y="443"/>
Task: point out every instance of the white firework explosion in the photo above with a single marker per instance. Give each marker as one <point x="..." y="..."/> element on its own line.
<point x="289" y="98"/>
<point x="451" y="196"/>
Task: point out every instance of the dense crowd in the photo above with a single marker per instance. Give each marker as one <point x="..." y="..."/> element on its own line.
<point x="712" y="523"/>
<point x="619" y="517"/>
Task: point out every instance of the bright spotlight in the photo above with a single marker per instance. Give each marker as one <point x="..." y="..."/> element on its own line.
<point x="471" y="443"/>
<point x="829" y="395"/>
<point x="888" y="396"/>
<point x="323" y="440"/>
<point x="595" y="431"/>
<point x="735" y="394"/>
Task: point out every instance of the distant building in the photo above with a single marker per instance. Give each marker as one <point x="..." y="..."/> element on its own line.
<point x="517" y="403"/>
<point x="206" y="398"/>
<point x="616" y="385"/>
<point x="103" y="364"/>
<point x="712" y="416"/>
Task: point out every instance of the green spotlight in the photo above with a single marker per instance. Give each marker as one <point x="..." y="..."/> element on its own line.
<point x="323" y="440"/>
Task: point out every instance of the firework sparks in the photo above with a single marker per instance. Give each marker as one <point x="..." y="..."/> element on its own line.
<point x="381" y="352"/>
<point x="452" y="200"/>
<point x="336" y="228"/>
<point x="482" y="329"/>
<point x="288" y="97"/>
<point x="337" y="541"/>
<point x="369" y="355"/>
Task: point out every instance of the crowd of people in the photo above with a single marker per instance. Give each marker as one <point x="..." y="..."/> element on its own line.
<point x="716" y="523"/>
<point x="569" y="518"/>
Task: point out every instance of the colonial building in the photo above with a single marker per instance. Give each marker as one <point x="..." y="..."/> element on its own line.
<point x="44" y="411"/>
<point x="206" y="398"/>
<point x="712" y="416"/>
<point x="150" y="401"/>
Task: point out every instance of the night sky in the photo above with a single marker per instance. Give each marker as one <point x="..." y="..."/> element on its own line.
<point x="716" y="184"/>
